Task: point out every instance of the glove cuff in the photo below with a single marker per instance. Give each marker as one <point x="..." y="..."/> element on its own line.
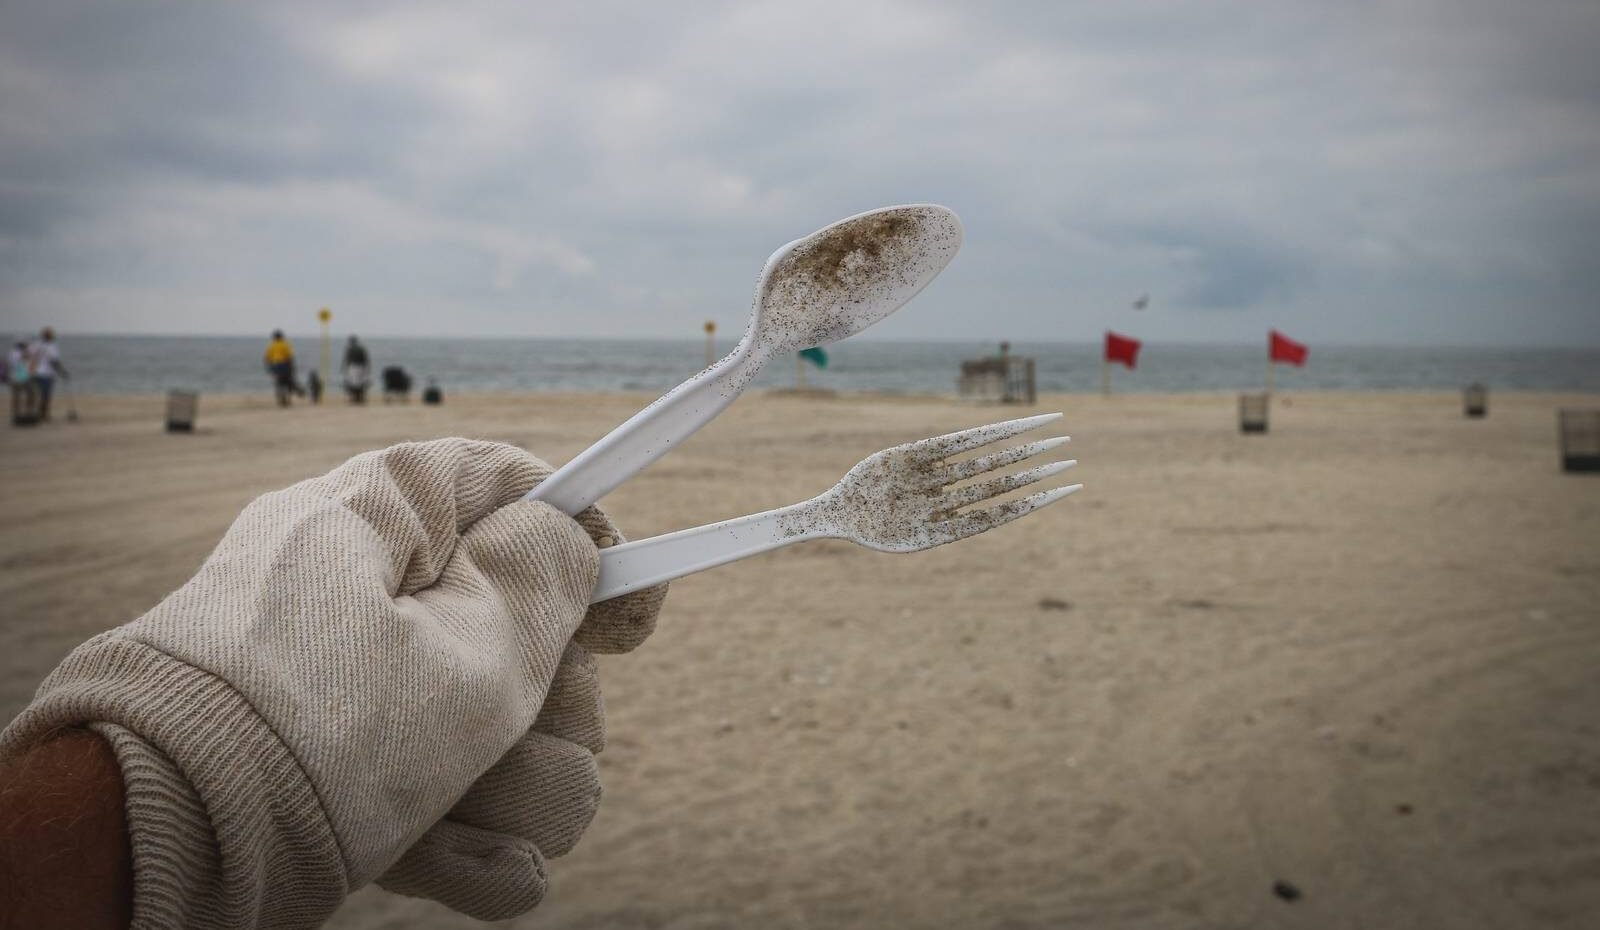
<point x="226" y="829"/>
<point x="176" y="861"/>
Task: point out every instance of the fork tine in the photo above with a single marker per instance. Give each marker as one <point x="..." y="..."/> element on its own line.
<point x="978" y="521"/>
<point x="968" y="439"/>
<point x="960" y="471"/>
<point x="983" y="490"/>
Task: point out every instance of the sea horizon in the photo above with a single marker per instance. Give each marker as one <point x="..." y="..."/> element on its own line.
<point x="149" y="363"/>
<point x="726" y="338"/>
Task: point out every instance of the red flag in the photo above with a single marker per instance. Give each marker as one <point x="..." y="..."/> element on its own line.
<point x="1281" y="348"/>
<point x="1121" y="349"/>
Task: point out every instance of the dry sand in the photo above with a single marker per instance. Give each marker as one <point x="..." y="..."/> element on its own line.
<point x="1360" y="654"/>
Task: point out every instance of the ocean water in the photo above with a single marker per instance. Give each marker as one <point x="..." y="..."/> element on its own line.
<point x="211" y="364"/>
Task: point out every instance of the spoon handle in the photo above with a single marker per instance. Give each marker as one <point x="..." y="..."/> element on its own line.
<point x="645" y="562"/>
<point x="647" y="435"/>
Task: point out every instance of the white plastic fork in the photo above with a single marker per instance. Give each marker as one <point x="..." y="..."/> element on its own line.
<point x="903" y="499"/>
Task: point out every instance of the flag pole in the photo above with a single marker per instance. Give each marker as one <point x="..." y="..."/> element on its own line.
<point x="1269" y="373"/>
<point x="324" y="316"/>
<point x="1105" y="377"/>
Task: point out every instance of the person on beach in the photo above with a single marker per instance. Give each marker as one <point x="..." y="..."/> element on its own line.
<point x="279" y="360"/>
<point x="384" y="674"/>
<point x="44" y="364"/>
<point x="19" y="376"/>
<point x="356" y="371"/>
<point x="314" y="386"/>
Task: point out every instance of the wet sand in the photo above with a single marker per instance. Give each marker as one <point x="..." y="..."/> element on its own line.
<point x="1359" y="654"/>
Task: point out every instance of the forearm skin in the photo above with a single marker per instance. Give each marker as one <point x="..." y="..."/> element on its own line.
<point x="65" y="859"/>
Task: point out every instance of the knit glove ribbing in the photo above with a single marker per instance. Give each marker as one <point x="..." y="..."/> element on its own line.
<point x="379" y="672"/>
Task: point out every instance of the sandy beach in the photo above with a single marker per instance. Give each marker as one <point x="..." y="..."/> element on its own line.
<point x="1359" y="655"/>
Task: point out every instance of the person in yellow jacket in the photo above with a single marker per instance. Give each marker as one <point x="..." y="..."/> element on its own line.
<point x="280" y="364"/>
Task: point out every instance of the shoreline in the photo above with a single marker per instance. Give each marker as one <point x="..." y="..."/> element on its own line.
<point x="110" y="365"/>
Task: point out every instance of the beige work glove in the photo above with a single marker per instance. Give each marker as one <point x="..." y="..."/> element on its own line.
<point x="382" y="673"/>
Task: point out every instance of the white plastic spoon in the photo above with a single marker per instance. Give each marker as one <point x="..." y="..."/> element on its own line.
<point x="814" y="291"/>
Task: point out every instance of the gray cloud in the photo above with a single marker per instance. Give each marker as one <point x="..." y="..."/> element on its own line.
<point x="1232" y="278"/>
<point x="1353" y="172"/>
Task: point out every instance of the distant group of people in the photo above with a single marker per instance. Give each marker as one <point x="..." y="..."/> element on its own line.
<point x="31" y="370"/>
<point x="280" y="363"/>
<point x="355" y="371"/>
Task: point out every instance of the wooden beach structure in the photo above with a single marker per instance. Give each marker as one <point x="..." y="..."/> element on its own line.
<point x="1004" y="378"/>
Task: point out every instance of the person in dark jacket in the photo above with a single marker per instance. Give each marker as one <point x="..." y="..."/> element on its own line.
<point x="356" y="369"/>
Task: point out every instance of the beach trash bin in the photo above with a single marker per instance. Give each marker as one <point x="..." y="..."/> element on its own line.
<point x="431" y="394"/>
<point x="1580" y="439"/>
<point x="1253" y="413"/>
<point x="24" y="405"/>
<point x="181" y="408"/>
<point x="1475" y="400"/>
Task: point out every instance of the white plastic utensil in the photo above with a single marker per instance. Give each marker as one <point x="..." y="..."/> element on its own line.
<point x="814" y="291"/>
<point x="899" y="500"/>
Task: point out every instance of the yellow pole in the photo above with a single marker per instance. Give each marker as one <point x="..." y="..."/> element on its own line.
<point x="711" y="342"/>
<point x="324" y="316"/>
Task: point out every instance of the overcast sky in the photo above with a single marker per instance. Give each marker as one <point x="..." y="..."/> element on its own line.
<point x="1352" y="172"/>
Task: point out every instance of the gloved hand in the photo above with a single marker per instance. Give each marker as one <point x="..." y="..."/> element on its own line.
<point x="484" y="859"/>
<point x="365" y="653"/>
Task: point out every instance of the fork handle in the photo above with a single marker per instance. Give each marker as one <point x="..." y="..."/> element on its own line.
<point x="645" y="562"/>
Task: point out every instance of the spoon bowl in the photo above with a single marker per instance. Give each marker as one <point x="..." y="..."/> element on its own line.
<point x="847" y="276"/>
